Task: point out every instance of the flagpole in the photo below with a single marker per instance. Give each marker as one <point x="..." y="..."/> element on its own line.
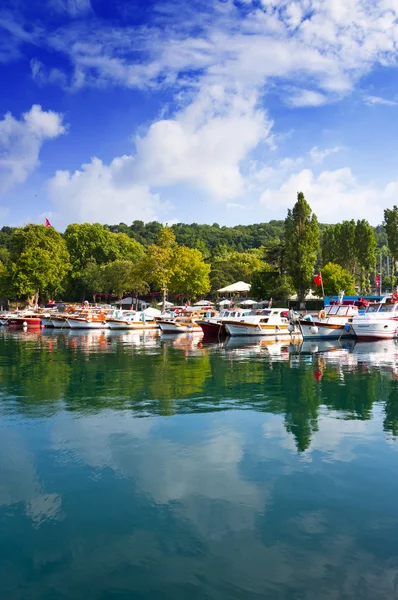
<point x="323" y="291"/>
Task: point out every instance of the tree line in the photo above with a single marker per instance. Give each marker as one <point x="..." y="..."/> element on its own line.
<point x="190" y="261"/>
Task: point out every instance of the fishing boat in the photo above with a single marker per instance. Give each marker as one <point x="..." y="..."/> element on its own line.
<point x="131" y="319"/>
<point x="214" y="326"/>
<point x="380" y="320"/>
<point x="333" y="321"/>
<point x="267" y="322"/>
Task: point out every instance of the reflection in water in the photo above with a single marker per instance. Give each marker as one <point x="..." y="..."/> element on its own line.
<point x="138" y="466"/>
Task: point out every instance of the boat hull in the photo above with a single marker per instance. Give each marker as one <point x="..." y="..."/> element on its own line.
<point x="22" y="322"/>
<point x="139" y="326"/>
<point x="170" y="327"/>
<point x="47" y="322"/>
<point x="83" y="324"/>
<point x="216" y="330"/>
<point x="380" y="329"/>
<point x="248" y="329"/>
<point x="323" y="330"/>
<point x="60" y="323"/>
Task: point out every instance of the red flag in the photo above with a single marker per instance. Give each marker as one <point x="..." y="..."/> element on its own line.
<point x="48" y="224"/>
<point x="318" y="279"/>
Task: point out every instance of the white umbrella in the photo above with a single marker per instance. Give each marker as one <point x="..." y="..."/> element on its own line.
<point x="239" y="286"/>
<point x="152" y="312"/>
<point x="247" y="302"/>
<point x="204" y="303"/>
<point x="225" y="302"/>
<point x="168" y="304"/>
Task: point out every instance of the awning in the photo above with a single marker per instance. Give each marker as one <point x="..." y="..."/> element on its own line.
<point x="239" y="286"/>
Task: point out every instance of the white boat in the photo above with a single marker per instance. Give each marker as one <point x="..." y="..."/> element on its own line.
<point x="380" y="321"/>
<point x="333" y="321"/>
<point x="130" y="319"/>
<point x="184" y="323"/>
<point x="59" y="322"/>
<point x="268" y="322"/>
<point x="89" y="321"/>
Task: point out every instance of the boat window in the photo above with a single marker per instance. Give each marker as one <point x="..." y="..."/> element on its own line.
<point x="275" y="312"/>
<point x="265" y="312"/>
<point x="373" y="308"/>
<point x="263" y="320"/>
<point x="233" y="314"/>
<point x="333" y="310"/>
<point x="387" y="308"/>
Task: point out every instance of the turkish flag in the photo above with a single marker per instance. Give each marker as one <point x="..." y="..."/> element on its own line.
<point x="318" y="279"/>
<point x="48" y="224"/>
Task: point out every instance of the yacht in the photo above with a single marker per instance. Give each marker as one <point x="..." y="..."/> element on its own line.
<point x="214" y="326"/>
<point x="130" y="319"/>
<point x="269" y="322"/>
<point x="333" y="321"/>
<point x="380" y="320"/>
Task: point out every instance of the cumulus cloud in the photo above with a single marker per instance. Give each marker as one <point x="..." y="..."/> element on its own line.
<point x="332" y="195"/>
<point x="204" y="144"/>
<point x="101" y="193"/>
<point x="21" y="141"/>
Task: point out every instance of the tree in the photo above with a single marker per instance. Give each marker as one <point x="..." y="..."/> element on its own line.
<point x="336" y="279"/>
<point x="120" y="277"/>
<point x="190" y="274"/>
<point x="158" y="266"/>
<point x="270" y="284"/>
<point x="228" y="267"/>
<point x="346" y="248"/>
<point x="365" y="243"/>
<point x="92" y="278"/>
<point x="302" y="245"/>
<point x="39" y="262"/>
<point x="391" y="226"/>
<point x="328" y="244"/>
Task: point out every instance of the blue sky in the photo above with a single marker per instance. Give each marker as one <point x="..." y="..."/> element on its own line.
<point x="199" y="111"/>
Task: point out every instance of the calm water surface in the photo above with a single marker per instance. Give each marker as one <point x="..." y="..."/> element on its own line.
<point x="135" y="466"/>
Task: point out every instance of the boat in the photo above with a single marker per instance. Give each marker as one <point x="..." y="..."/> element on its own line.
<point x="184" y="322"/>
<point x="333" y="321"/>
<point x="24" y="321"/>
<point x="214" y="326"/>
<point x="87" y="321"/>
<point x="130" y="319"/>
<point x="267" y="322"/>
<point x="380" y="320"/>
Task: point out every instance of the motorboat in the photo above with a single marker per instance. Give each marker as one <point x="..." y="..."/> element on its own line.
<point x="184" y="322"/>
<point x="333" y="321"/>
<point x="214" y="326"/>
<point x="131" y="319"/>
<point x="267" y="322"/>
<point x="380" y="320"/>
<point x="88" y="320"/>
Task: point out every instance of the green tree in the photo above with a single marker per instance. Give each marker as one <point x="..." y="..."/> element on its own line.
<point x="39" y="262"/>
<point x="230" y="266"/>
<point x="159" y="263"/>
<point x="120" y="277"/>
<point x="336" y="279"/>
<point x="302" y="245"/>
<point x="328" y="244"/>
<point x="391" y="226"/>
<point x="190" y="274"/>
<point x="92" y="278"/>
<point x="345" y="242"/>
<point x="365" y="243"/>
<point x="270" y="283"/>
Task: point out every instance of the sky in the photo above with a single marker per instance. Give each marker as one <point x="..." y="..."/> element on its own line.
<point x="198" y="110"/>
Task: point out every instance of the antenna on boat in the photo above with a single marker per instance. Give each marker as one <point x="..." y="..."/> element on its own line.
<point x="340" y="296"/>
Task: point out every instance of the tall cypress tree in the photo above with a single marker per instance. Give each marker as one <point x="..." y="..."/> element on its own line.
<point x="366" y="244"/>
<point x="391" y="225"/>
<point x="301" y="245"/>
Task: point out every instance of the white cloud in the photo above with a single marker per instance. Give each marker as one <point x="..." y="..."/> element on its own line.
<point x="101" y="193"/>
<point x="318" y="156"/>
<point x="21" y="141"/>
<point x="333" y="196"/>
<point x="373" y="100"/>
<point x="204" y="144"/>
<point x="302" y="98"/>
<point x="74" y="8"/>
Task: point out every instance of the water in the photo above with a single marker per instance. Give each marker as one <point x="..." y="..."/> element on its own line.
<point x="140" y="467"/>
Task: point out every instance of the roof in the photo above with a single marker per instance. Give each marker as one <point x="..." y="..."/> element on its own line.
<point x="239" y="286"/>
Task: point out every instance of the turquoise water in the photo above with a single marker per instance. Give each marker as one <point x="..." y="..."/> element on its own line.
<point x="135" y="466"/>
